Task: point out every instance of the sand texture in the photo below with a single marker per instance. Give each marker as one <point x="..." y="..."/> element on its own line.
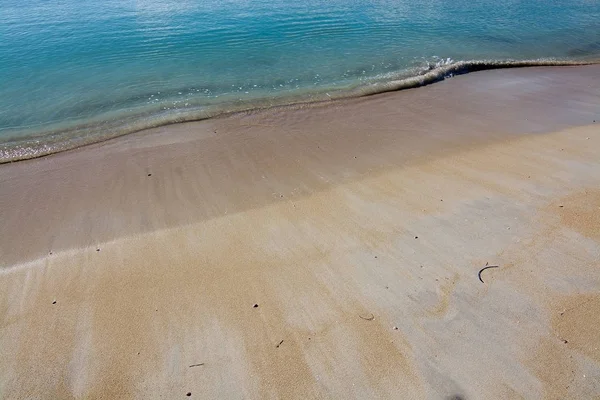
<point x="326" y="251"/>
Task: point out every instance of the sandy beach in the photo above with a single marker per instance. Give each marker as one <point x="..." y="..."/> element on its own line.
<point x="320" y="251"/>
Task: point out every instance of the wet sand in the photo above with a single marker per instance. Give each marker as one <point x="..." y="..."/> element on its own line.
<point x="358" y="228"/>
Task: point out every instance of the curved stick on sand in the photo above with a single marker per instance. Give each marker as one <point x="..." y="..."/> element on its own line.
<point x="483" y="269"/>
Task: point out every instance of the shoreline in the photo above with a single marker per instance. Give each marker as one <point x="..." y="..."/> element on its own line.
<point x="56" y="141"/>
<point x="430" y="112"/>
<point x="331" y="251"/>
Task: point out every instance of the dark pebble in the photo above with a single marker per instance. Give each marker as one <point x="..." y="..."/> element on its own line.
<point x="54" y="302"/>
<point x="416" y="237"/>
<point x="149" y="174"/>
<point x="188" y="394"/>
<point x="97" y="249"/>
<point x="255" y="306"/>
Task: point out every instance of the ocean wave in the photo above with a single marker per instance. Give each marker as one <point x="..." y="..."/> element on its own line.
<point x="46" y="142"/>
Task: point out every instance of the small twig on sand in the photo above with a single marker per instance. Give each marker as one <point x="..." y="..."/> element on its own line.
<point x="370" y="317"/>
<point x="196" y="365"/>
<point x="484" y="268"/>
<point x="279" y="344"/>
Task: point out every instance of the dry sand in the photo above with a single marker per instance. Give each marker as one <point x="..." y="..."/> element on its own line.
<point x="358" y="228"/>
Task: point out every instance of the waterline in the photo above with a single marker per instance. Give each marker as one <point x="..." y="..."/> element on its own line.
<point x="48" y="142"/>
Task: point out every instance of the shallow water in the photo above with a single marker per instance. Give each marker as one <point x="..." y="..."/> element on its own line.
<point x="72" y="72"/>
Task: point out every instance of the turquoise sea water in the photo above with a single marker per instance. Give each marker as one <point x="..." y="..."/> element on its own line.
<point x="74" y="72"/>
